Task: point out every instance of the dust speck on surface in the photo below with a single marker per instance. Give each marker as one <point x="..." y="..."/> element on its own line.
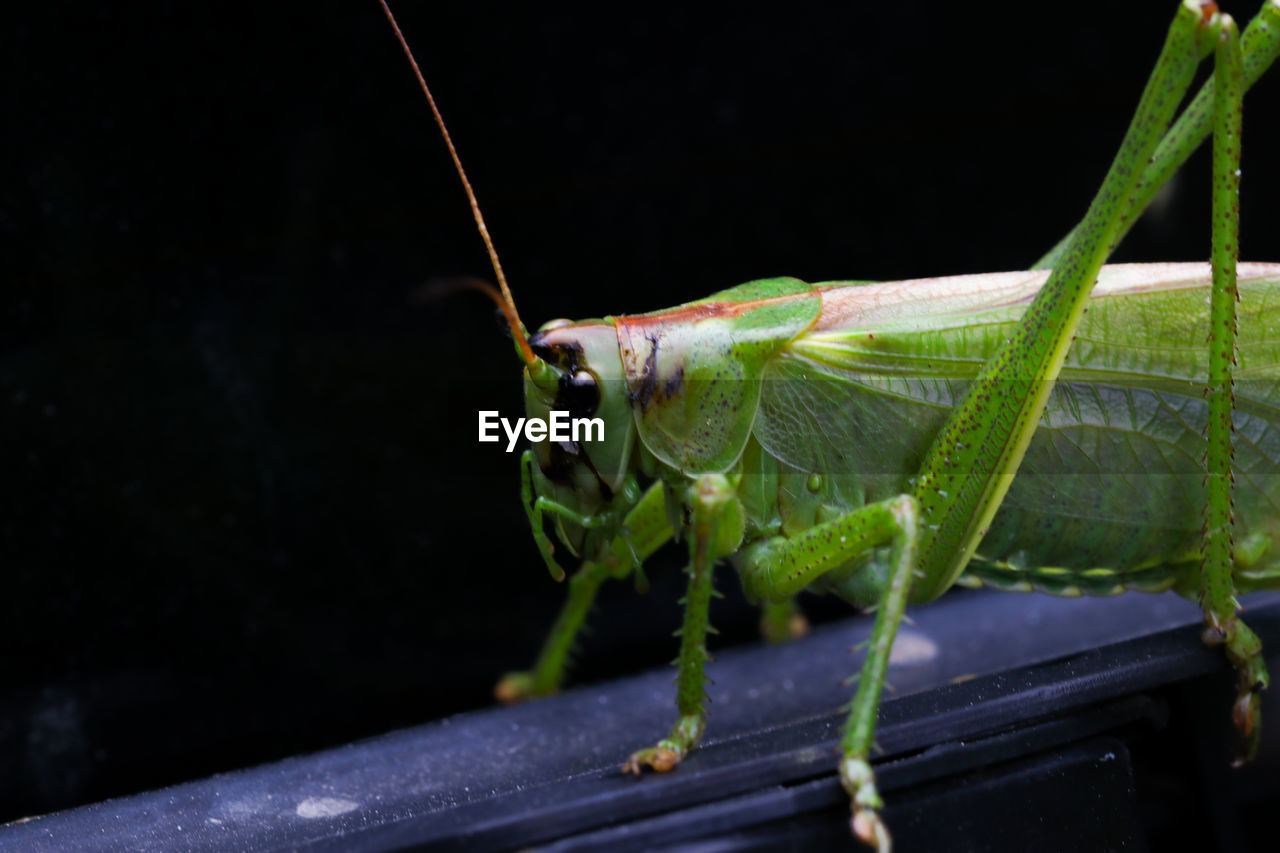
<point x="912" y="647"/>
<point x="313" y="807"/>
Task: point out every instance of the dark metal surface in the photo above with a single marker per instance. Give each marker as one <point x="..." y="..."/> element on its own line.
<point x="1048" y="673"/>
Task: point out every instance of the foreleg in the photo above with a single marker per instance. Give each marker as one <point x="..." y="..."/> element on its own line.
<point x="715" y="532"/>
<point x="644" y="530"/>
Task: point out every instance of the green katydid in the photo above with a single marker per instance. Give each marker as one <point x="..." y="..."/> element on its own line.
<point x="863" y="439"/>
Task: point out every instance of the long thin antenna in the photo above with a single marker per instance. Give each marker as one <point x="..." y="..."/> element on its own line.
<point x="508" y="304"/>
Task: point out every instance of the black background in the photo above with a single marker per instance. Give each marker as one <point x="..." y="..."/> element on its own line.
<point x="243" y="512"/>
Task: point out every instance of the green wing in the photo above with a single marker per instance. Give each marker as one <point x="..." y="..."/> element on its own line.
<point x="1110" y="492"/>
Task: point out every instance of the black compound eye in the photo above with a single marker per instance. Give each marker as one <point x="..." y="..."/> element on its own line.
<point x="579" y="393"/>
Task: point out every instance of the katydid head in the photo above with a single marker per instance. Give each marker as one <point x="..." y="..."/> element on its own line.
<point x="580" y="377"/>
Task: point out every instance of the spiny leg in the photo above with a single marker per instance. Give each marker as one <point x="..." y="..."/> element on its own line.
<point x="779" y="567"/>
<point x="1239" y="62"/>
<point x="644" y="530"/>
<point x="1217" y="588"/>
<point x="716" y="531"/>
<point x="855" y="746"/>
<point x="548" y="670"/>
<point x="973" y="458"/>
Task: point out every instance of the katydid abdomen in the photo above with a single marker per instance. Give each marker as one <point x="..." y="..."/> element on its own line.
<point x="1110" y="493"/>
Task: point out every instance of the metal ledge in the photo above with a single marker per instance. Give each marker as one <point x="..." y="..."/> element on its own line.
<point x="984" y="681"/>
